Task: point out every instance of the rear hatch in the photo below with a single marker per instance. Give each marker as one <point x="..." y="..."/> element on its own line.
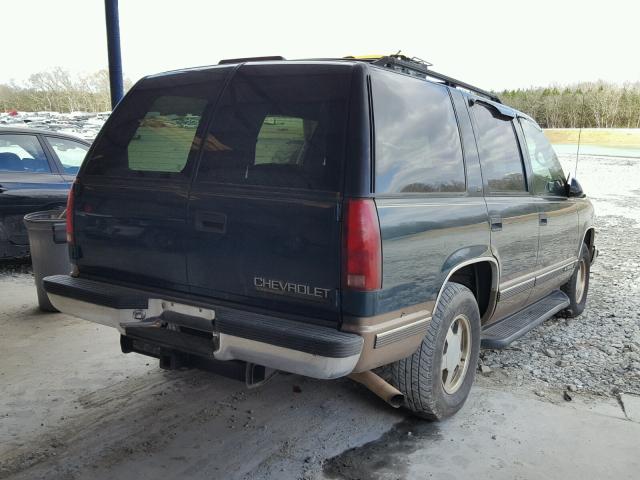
<point x="246" y="210"/>
<point x="131" y="194"/>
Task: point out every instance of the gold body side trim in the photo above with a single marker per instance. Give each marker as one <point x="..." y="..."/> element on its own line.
<point x="407" y="325"/>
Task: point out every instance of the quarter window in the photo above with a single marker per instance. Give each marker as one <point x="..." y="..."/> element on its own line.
<point x="417" y="143"/>
<point x="500" y="155"/>
<point x="548" y="176"/>
<point x="70" y="153"/>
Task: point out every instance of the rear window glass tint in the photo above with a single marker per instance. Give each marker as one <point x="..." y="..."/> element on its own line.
<point x="280" y="125"/>
<point x="499" y="151"/>
<point x="153" y="132"/>
<point x="162" y="141"/>
<point x="281" y="139"/>
<point x="417" y="143"/>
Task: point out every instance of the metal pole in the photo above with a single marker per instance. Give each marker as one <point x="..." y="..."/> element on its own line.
<point x="113" y="47"/>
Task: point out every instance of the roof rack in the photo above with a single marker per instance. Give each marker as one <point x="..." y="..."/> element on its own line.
<point x="420" y="68"/>
<point x="400" y="63"/>
<point x="269" y="58"/>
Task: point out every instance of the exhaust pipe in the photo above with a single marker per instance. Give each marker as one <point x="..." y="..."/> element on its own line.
<point x="381" y="388"/>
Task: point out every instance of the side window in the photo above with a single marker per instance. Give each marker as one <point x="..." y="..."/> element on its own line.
<point x="417" y="143"/>
<point x="548" y="177"/>
<point x="500" y="156"/>
<point x="70" y="153"/>
<point x="22" y="153"/>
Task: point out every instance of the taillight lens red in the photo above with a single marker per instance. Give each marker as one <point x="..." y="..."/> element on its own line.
<point x="362" y="249"/>
<point x="70" y="204"/>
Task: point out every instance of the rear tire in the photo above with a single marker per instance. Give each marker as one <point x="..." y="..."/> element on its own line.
<point x="577" y="287"/>
<point x="434" y="385"/>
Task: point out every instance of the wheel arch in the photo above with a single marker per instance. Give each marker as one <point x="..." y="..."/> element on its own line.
<point x="473" y="274"/>
<point x="589" y="237"/>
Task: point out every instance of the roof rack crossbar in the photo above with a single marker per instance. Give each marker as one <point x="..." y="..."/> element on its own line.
<point x="422" y="69"/>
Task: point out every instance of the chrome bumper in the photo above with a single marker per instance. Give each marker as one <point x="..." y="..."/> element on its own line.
<point x="282" y="344"/>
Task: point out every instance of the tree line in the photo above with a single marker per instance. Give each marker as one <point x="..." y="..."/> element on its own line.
<point x="589" y="105"/>
<point x="58" y="90"/>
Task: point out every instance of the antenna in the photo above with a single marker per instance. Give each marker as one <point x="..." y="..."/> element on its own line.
<point x="575" y="170"/>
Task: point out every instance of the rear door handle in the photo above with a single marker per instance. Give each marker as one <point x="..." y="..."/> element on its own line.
<point x="211" y="222"/>
<point x="543" y="219"/>
<point x="496" y="224"/>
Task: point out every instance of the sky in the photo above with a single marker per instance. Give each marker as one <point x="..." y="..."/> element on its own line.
<point x="493" y="44"/>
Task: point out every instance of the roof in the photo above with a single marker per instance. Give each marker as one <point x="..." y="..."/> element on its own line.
<point x="231" y="63"/>
<point x="36" y="131"/>
<point x="397" y="63"/>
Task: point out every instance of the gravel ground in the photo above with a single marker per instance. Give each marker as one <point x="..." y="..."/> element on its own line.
<point x="598" y="352"/>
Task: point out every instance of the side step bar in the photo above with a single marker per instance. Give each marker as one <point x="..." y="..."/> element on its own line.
<point x="502" y="333"/>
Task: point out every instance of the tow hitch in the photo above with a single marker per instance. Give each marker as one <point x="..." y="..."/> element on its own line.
<point x="171" y="359"/>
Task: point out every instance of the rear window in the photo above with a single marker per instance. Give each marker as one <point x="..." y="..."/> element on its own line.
<point x="153" y="132"/>
<point x="280" y="126"/>
<point x="163" y="139"/>
<point x="281" y="139"/>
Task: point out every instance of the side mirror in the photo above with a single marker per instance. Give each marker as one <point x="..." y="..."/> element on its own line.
<point x="574" y="189"/>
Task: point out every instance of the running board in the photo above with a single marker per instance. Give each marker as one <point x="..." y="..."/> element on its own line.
<point x="502" y="333"/>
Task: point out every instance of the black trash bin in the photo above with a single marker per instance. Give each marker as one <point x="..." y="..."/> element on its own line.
<point x="49" y="253"/>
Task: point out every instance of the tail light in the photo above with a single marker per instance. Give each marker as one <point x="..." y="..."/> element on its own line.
<point x="362" y="251"/>
<point x="70" y="204"/>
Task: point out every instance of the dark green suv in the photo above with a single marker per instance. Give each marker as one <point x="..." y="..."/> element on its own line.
<point x="326" y="218"/>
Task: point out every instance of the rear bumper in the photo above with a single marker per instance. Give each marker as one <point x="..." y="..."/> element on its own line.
<point x="223" y="333"/>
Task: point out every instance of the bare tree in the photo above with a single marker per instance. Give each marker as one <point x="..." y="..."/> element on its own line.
<point x="58" y="90"/>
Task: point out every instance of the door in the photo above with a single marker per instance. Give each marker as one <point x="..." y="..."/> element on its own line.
<point x="28" y="182"/>
<point x="512" y="209"/>
<point x="131" y="197"/>
<point x="264" y="208"/>
<point x="557" y="213"/>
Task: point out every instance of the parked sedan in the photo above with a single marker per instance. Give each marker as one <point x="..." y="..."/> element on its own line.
<point x="36" y="169"/>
